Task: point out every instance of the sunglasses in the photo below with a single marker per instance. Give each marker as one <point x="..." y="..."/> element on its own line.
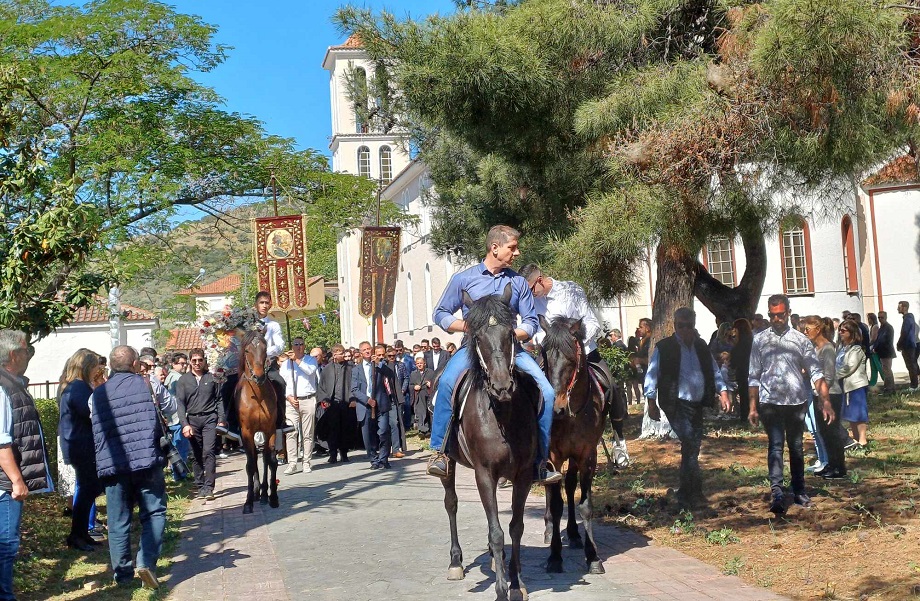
<point x="297" y="344"/>
<point x="779" y="315"/>
<point x="197" y="360"/>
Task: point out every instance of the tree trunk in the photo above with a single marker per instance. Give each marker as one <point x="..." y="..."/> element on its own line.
<point x="674" y="288"/>
<point x="729" y="304"/>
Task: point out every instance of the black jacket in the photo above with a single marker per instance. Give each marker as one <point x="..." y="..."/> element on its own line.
<point x="334" y="383"/>
<point x="669" y="372"/>
<point x="884" y="341"/>
<point x="198" y="397"/>
<point x="28" y="444"/>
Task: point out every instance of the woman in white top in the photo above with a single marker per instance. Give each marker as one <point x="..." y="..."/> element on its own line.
<point x="851" y="368"/>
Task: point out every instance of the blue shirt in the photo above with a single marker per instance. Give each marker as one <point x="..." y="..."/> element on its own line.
<point x="691" y="386"/>
<point x="479" y="282"/>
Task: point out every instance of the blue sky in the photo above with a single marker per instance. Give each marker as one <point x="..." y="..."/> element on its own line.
<point x="274" y="71"/>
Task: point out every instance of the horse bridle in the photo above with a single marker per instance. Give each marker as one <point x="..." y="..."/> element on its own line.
<point x="571" y="386"/>
<point x="482" y="360"/>
<point x="254" y="379"/>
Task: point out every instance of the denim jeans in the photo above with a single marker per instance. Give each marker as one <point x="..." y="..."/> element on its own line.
<point x="686" y="420"/>
<point x="84" y="498"/>
<point x="785" y="423"/>
<point x="452" y="371"/>
<point x="10" y="518"/>
<point x="147" y="490"/>
<point x="811" y="422"/>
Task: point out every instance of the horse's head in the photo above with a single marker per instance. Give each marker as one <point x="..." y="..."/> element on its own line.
<point x="490" y="326"/>
<point x="564" y="356"/>
<point x="254" y="352"/>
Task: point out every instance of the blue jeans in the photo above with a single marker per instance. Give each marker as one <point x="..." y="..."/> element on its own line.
<point x="10" y="518"/>
<point x="452" y="371"/>
<point x="147" y="490"/>
<point x="812" y="424"/>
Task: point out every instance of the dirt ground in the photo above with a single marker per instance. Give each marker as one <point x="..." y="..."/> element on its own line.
<point x="861" y="541"/>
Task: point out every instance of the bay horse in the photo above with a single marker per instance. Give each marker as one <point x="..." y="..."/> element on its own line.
<point x="496" y="437"/>
<point x="578" y="425"/>
<point x="255" y="401"/>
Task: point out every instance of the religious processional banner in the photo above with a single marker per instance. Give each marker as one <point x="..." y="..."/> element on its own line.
<point x="281" y="262"/>
<point x="379" y="270"/>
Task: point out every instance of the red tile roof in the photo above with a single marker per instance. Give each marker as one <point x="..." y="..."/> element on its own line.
<point x="225" y="285"/>
<point x="184" y="339"/>
<point x="99" y="312"/>
<point x="353" y="41"/>
<point x="902" y="170"/>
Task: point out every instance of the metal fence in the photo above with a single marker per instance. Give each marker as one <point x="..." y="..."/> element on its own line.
<point x="43" y="390"/>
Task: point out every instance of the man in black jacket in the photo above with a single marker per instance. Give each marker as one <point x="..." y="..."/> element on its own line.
<point x="332" y="393"/>
<point x="884" y="348"/>
<point x="23" y="459"/>
<point x="200" y="412"/>
<point x="684" y="378"/>
<point x="907" y="344"/>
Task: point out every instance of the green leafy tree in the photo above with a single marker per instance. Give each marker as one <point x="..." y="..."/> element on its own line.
<point x="610" y="129"/>
<point x="105" y="136"/>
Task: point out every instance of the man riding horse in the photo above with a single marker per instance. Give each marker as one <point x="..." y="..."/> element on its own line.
<point x="562" y="299"/>
<point x="485" y="279"/>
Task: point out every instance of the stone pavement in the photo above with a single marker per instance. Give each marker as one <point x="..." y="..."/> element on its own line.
<point x="345" y="532"/>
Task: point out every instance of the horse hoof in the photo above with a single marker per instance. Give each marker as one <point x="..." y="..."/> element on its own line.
<point x="455" y="573"/>
<point x="273" y="502"/>
<point x="519" y="594"/>
<point x="554" y="566"/>
<point x="576" y="543"/>
<point x="596" y="567"/>
<point x="247" y="508"/>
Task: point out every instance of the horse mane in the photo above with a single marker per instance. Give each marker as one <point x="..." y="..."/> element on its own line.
<point x="559" y="335"/>
<point x="244" y="342"/>
<point x="483" y="311"/>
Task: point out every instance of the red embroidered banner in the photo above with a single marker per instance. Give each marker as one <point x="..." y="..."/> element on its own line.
<point x="379" y="270"/>
<point x="281" y="261"/>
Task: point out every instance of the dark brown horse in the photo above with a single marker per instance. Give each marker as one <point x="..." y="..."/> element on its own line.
<point x="577" y="428"/>
<point x="497" y="436"/>
<point x="255" y="400"/>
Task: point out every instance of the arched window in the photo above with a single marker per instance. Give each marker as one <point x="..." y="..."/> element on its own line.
<point x="795" y="256"/>
<point x="386" y="164"/>
<point x="364" y="161"/>
<point x="849" y="255"/>
<point x="410" y="309"/>
<point x="360" y="91"/>
<point x="429" y="307"/>
<point x="719" y="259"/>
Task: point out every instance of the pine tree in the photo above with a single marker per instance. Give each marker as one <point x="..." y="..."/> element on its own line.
<point x="610" y="128"/>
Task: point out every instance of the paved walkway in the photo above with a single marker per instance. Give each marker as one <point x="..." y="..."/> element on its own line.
<point x="347" y="533"/>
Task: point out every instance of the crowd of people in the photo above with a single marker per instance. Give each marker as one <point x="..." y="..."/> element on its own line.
<point x="121" y="416"/>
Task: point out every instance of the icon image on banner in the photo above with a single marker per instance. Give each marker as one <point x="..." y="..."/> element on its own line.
<point x="280" y="244"/>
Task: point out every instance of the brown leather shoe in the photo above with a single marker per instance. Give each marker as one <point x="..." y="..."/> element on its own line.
<point x="398" y="455"/>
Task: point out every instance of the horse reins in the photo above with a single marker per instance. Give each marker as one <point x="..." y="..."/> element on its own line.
<point x="571" y="386"/>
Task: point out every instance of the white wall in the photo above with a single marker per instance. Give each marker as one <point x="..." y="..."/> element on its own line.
<point x="53" y="351"/>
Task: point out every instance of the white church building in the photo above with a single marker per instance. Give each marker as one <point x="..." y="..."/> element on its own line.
<point x="864" y="261"/>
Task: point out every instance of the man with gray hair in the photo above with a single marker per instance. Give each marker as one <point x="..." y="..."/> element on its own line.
<point x="129" y="463"/>
<point x="682" y="378"/>
<point x="23" y="457"/>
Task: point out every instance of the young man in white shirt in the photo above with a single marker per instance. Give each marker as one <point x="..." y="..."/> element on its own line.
<point x="275" y="349"/>
<point x="300" y="373"/>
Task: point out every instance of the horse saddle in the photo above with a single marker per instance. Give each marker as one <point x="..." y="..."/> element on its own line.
<point x="458" y="399"/>
<point x="602" y="381"/>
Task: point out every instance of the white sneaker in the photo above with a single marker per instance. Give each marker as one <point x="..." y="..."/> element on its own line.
<point x="306" y="468"/>
<point x="620" y="455"/>
<point x="293" y="468"/>
<point x="222" y="455"/>
<point x="818" y="466"/>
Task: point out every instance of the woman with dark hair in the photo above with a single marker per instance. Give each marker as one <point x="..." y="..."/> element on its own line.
<point x="820" y="330"/>
<point x="740" y="362"/>
<point x="77" y="447"/>
<point x="851" y="368"/>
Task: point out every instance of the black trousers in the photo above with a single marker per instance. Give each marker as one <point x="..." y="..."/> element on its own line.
<point x="204" y="462"/>
<point x="834" y="435"/>
<point x="339" y="439"/>
<point x="274" y="375"/>
<point x="785" y="423"/>
<point x="687" y="422"/>
<point x="90" y="488"/>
